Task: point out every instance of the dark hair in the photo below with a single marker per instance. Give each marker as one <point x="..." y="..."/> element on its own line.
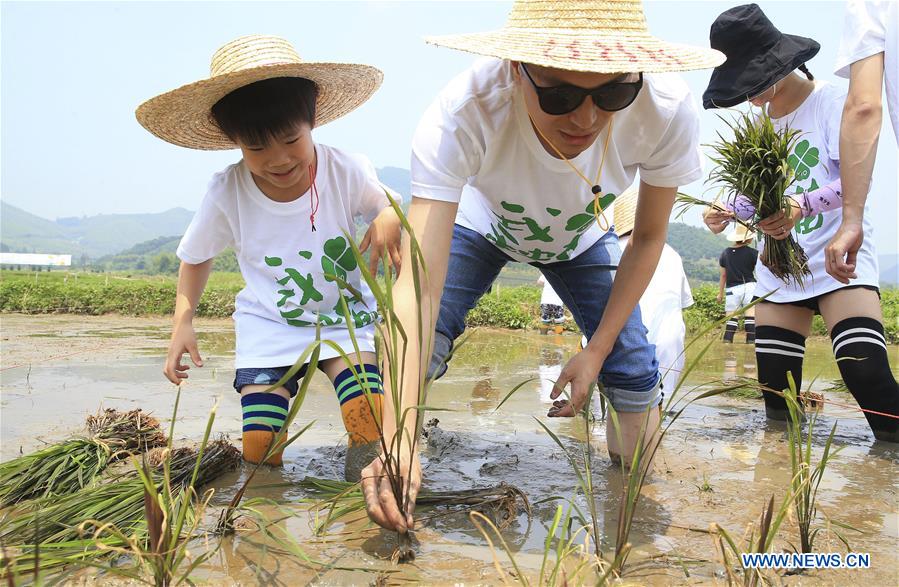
<point x="264" y="110"/>
<point x="807" y="73"/>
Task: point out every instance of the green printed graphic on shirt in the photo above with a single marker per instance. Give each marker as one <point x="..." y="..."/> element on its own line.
<point x="803" y="158"/>
<point x="338" y="259"/>
<point x="514" y="230"/>
<point x="298" y="288"/>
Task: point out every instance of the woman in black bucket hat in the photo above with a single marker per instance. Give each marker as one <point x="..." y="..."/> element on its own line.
<point x="761" y="69"/>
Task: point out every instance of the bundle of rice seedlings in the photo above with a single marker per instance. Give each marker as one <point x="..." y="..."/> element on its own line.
<point x="92" y="522"/>
<point x="754" y="164"/>
<point x="340" y="499"/>
<point x="66" y="467"/>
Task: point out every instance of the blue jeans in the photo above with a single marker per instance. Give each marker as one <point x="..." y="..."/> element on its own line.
<point x="629" y="375"/>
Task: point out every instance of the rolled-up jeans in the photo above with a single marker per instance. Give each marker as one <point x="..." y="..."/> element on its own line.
<point x="630" y="374"/>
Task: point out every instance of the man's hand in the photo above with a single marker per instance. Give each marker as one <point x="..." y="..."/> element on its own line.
<point x="380" y="502"/>
<point x="779" y="225"/>
<point x="184" y="340"/>
<point x="383" y="234"/>
<point x="581" y="371"/>
<point x="841" y="252"/>
<point x="717" y="219"/>
<point x="720" y="297"/>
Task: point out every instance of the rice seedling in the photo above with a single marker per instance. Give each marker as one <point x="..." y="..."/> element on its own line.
<point x="806" y="477"/>
<point x="150" y="514"/>
<point x="731" y="553"/>
<point x="755" y="164"/>
<point x="73" y="464"/>
<point x="392" y="349"/>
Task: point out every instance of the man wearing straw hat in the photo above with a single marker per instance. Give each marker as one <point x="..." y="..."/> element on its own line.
<point x="519" y="159"/>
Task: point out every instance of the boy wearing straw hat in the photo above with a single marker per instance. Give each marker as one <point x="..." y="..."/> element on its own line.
<point x="519" y="159"/>
<point x="737" y="284"/>
<point x="286" y="208"/>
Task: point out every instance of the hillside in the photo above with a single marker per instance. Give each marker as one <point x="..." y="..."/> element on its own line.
<point x="94" y="236"/>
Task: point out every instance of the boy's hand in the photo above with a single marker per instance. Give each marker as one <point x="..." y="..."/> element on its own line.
<point x="184" y="340"/>
<point x="384" y="234"/>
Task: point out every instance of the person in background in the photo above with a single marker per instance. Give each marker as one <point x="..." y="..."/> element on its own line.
<point x="552" y="309"/>
<point x="868" y="56"/>
<point x="737" y="284"/>
<point x="664" y="300"/>
<point x="760" y="69"/>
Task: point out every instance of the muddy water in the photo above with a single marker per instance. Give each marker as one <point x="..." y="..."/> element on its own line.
<point x="720" y="463"/>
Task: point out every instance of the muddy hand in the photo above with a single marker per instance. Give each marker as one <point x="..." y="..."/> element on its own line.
<point x="581" y="371"/>
<point x="380" y="502"/>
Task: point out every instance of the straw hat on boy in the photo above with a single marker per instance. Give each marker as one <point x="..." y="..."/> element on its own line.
<point x="625" y="210"/>
<point x="183" y="116"/>
<point x="740" y="234"/>
<point x="604" y="36"/>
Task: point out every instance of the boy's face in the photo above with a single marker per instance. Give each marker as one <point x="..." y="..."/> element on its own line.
<point x="280" y="168"/>
<point x="576" y="131"/>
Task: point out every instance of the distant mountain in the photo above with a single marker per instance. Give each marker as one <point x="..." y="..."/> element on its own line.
<point x="398" y="179"/>
<point x="93" y="236"/>
<point x="699" y="249"/>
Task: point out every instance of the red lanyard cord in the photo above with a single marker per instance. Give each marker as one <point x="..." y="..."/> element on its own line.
<point x="313" y="192"/>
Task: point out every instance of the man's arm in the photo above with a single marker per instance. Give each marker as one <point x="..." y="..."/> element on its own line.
<point x="637" y="266"/>
<point x="859" y="135"/>
<point x="432" y="224"/>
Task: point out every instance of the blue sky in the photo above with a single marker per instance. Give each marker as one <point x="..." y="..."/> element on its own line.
<point x="73" y="73"/>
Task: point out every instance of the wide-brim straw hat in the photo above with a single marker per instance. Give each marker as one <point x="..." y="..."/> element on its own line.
<point x="740" y="234"/>
<point x="758" y="56"/>
<point x="184" y="116"/>
<point x="608" y="36"/>
<point x="624" y="211"/>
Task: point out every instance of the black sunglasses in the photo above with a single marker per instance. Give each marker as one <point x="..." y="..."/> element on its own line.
<point x="611" y="97"/>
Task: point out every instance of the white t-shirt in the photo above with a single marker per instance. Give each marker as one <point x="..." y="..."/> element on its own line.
<point x="549" y="295"/>
<point x="816" y="161"/>
<point x="475" y="145"/>
<point x="871" y="27"/>
<point x="285" y="263"/>
<point x="666" y="295"/>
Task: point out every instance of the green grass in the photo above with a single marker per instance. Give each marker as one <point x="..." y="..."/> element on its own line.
<point x="516" y="307"/>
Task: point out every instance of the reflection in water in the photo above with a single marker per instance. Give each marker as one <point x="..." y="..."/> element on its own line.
<point x="549" y="370"/>
<point x="730" y="368"/>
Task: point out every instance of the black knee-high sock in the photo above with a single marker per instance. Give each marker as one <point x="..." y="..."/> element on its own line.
<point x="778" y="351"/>
<point x="730" y="328"/>
<point x="749" y="325"/>
<point x="860" y="349"/>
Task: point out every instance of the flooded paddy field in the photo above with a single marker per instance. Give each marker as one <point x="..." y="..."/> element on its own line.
<point x="720" y="463"/>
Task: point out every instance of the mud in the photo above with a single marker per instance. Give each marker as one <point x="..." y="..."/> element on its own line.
<point x="720" y="463"/>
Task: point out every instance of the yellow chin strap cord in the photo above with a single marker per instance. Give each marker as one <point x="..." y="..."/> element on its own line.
<point x="595" y="188"/>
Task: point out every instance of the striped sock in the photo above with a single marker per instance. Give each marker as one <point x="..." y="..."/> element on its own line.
<point x="749" y="326"/>
<point x="730" y="328"/>
<point x="778" y="351"/>
<point x="357" y="415"/>
<point x="861" y="352"/>
<point x="263" y="416"/>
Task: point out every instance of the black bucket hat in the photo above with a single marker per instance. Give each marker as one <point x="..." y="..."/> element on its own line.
<point x="758" y="56"/>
